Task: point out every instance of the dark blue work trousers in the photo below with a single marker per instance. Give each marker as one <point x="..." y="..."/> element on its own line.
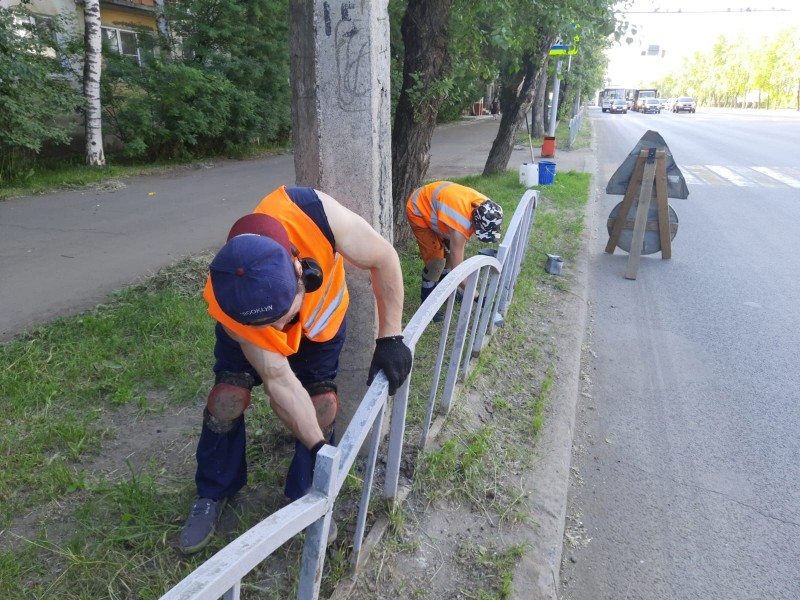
<point x="221" y="460"/>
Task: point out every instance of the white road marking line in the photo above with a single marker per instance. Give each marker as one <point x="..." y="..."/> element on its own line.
<point x="785" y="179"/>
<point x="731" y="176"/>
<point x="703" y="175"/>
<point x="689" y="178"/>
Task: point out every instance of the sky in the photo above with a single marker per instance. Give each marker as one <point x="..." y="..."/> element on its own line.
<point x="682" y="27"/>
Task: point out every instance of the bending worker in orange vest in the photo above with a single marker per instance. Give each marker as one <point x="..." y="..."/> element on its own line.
<point x="277" y="290"/>
<point x="443" y="216"/>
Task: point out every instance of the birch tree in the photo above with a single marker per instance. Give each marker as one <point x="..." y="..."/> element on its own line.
<point x="163" y="28"/>
<point x="93" y="56"/>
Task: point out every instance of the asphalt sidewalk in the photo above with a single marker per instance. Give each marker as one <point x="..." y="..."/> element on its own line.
<point x="63" y="252"/>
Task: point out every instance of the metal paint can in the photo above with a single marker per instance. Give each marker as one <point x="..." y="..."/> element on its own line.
<point x="554" y="264"/>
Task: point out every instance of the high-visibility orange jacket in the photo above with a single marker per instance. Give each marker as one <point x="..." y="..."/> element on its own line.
<point x="322" y="311"/>
<point x="443" y="206"/>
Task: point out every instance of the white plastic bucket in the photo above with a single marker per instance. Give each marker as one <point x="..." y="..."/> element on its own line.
<point x="529" y="174"/>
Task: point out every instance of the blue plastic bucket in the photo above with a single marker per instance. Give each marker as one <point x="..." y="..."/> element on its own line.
<point x="547" y="172"/>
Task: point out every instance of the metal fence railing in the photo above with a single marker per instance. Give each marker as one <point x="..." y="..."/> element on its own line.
<point x="493" y="278"/>
<point x="575" y="126"/>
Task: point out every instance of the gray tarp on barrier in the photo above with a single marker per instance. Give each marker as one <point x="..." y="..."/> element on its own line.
<point x="676" y="184"/>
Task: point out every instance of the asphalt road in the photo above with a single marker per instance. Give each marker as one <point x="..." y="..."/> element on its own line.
<point x="64" y="252"/>
<point x="686" y="462"/>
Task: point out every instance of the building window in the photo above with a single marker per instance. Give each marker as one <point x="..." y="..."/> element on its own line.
<point x="124" y="42"/>
<point x="38" y="29"/>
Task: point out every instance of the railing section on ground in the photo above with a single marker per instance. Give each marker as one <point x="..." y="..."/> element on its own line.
<point x="492" y="278"/>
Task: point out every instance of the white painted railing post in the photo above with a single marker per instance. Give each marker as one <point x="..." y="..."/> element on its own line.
<point x="366" y="488"/>
<point x="317" y="534"/>
<point x="397" y="433"/>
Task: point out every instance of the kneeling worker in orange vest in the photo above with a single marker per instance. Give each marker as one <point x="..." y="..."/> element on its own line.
<point x="277" y="291"/>
<point x="443" y="216"/>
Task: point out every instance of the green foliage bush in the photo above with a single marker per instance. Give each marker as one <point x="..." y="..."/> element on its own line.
<point x="247" y="43"/>
<point x="36" y="96"/>
<point x="224" y="88"/>
<point x="466" y="88"/>
<point x="163" y="111"/>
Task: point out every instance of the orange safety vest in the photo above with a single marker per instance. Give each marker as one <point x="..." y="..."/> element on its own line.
<point x="323" y="311"/>
<point x="443" y="206"/>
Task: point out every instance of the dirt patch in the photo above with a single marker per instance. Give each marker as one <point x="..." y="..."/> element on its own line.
<point x="159" y="441"/>
<point x="162" y="436"/>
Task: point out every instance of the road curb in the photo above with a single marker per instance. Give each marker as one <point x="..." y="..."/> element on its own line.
<point x="537" y="575"/>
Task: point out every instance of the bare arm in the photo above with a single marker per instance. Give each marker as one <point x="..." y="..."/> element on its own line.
<point x="287" y="397"/>
<point x="360" y="244"/>
<point x="457" y="244"/>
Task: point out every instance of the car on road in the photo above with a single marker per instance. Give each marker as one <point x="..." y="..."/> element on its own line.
<point x="618" y="105"/>
<point x="651" y="105"/>
<point x="664" y="102"/>
<point x="684" y="104"/>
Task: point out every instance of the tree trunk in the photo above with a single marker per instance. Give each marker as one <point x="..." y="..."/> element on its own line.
<point x="539" y="104"/>
<point x="426" y="32"/>
<point x="516" y="97"/>
<point x="163" y="28"/>
<point x="93" y="59"/>
<point x="564" y="93"/>
<point x="513" y="95"/>
<point x="576" y="100"/>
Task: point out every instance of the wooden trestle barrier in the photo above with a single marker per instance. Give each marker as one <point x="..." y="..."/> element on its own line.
<point x="650" y="167"/>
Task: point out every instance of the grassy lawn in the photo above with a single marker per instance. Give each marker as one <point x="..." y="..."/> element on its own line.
<point x="81" y="519"/>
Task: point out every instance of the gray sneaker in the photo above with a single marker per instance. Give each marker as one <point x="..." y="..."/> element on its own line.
<point x="201" y="524"/>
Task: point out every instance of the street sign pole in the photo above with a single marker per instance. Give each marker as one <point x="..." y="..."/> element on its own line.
<point x="554" y="106"/>
<point x="559" y="50"/>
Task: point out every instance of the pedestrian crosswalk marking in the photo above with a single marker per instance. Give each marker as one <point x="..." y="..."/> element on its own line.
<point x="740" y="176"/>
<point x="764" y="180"/>
<point x="790" y="181"/>
<point x="703" y="175"/>
<point x="689" y="177"/>
<point x="731" y="176"/>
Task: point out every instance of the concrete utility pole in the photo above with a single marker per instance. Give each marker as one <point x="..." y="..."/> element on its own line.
<point x="342" y="142"/>
<point x="554" y="105"/>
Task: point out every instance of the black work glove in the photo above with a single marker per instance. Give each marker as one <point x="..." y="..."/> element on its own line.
<point x="392" y="357"/>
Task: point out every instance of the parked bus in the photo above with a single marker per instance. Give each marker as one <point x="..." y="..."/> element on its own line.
<point x="609" y="94"/>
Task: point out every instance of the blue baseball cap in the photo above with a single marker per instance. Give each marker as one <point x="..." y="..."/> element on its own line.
<point x="253" y="275"/>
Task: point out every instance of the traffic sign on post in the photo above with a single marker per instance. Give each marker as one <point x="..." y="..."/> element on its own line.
<point x="559" y="49"/>
<point x="563" y="49"/>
